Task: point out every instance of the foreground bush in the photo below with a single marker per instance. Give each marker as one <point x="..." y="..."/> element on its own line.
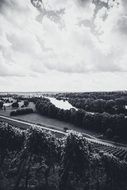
<point x="36" y="159"/>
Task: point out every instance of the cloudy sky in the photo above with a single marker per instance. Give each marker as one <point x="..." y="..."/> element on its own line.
<point x="63" y="45"/>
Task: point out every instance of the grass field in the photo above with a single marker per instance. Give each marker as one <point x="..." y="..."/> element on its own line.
<point x="39" y="119"/>
<point x="49" y="122"/>
<point x="43" y="120"/>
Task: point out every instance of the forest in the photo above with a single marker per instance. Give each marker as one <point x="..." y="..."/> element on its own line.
<point x="35" y="159"/>
<point x="99" y="102"/>
<point x="112" y="126"/>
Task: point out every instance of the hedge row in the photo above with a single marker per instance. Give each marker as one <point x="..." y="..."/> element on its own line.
<point x="21" y="111"/>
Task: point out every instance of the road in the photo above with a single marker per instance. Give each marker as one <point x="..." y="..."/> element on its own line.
<point x="118" y="150"/>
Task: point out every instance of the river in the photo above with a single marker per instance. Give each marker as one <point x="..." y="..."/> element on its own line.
<point x="62" y="104"/>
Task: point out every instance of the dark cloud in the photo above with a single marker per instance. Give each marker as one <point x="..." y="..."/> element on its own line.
<point x="54" y="15"/>
<point x="37" y="3"/>
<point x="6" y="2"/>
<point x="83" y="2"/>
<point x="99" y="4"/>
<point x="121" y="25"/>
<point x="1" y="3"/>
<point x="107" y="7"/>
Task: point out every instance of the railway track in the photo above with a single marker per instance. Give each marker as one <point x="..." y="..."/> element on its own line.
<point x="97" y="144"/>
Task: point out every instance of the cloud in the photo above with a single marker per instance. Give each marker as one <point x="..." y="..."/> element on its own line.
<point x="70" y="37"/>
<point x="1" y="3"/>
<point x="54" y="15"/>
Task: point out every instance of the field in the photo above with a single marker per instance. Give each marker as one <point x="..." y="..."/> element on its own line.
<point x="49" y="122"/>
<point x="44" y="120"/>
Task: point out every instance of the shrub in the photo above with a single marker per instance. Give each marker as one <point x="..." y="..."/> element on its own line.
<point x="15" y="105"/>
<point x="1" y="104"/>
<point x="21" y="111"/>
<point x="26" y="103"/>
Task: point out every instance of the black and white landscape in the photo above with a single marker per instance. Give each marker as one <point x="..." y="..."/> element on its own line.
<point x="63" y="95"/>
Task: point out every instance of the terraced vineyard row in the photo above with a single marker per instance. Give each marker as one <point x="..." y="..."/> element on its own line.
<point x="116" y="151"/>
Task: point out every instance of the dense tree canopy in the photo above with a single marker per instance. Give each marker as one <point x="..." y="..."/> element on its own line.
<point x="110" y="102"/>
<point x="36" y="159"/>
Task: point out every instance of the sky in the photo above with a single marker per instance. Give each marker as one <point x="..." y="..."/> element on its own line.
<point x="56" y="45"/>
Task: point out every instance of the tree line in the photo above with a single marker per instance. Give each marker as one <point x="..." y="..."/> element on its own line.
<point x="35" y="159"/>
<point x="110" y="102"/>
<point x="111" y="106"/>
<point x="113" y="126"/>
<point x="21" y="111"/>
<point x="95" y="95"/>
